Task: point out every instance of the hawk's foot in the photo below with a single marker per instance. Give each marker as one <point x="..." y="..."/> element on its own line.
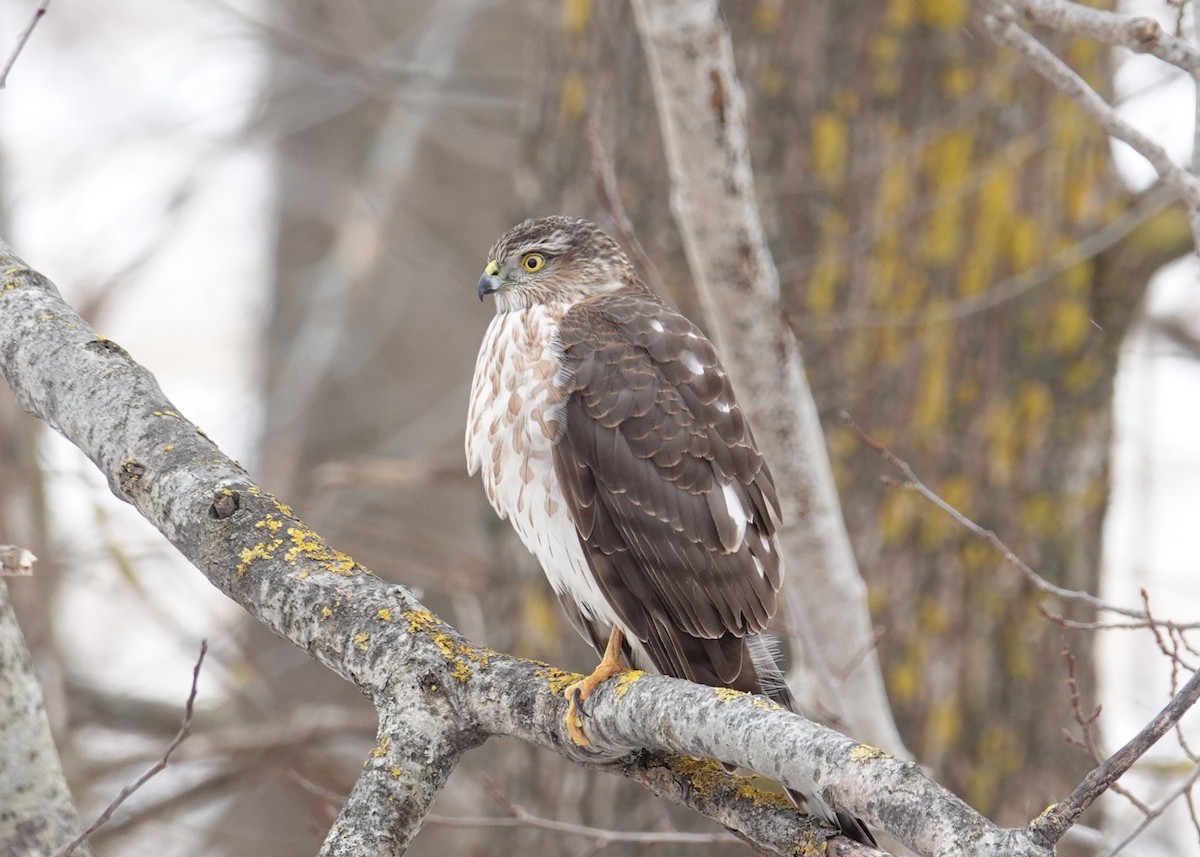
<point x="609" y="666"/>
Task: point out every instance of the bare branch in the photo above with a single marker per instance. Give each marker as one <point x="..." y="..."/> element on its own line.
<point x="213" y="786"/>
<point x="1050" y="826"/>
<point x="36" y="812"/>
<point x="1011" y="287"/>
<point x="609" y="191"/>
<point x="1086" y="722"/>
<point x="522" y="818"/>
<point x="1184" y="788"/>
<point x="21" y="40"/>
<point x="1006" y="32"/>
<point x="158" y="767"/>
<point x="913" y="483"/>
<point x="1139" y="34"/>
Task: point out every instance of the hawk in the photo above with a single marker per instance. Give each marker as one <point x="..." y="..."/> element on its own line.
<point x="608" y="434"/>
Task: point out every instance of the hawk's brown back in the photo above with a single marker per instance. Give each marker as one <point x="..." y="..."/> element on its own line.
<point x="671" y="498"/>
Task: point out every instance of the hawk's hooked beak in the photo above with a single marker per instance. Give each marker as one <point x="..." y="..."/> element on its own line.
<point x="490" y="283"/>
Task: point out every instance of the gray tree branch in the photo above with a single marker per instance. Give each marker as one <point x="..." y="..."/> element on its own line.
<point x="36" y="812"/>
<point x="1134" y="32"/>
<point x="702" y="111"/>
<point x="438" y="694"/>
<point x="1003" y="27"/>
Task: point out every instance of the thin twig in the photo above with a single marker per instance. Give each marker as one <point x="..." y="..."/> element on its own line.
<point x="1076" y="625"/>
<point x="606" y="185"/>
<point x="852" y="664"/>
<point x="1184" y="788"/>
<point x="1086" y="722"/>
<point x="185" y="729"/>
<point x="913" y="483"/>
<point x="518" y="816"/>
<point x="21" y="40"/>
<point x="216" y="785"/>
<point x="1169" y="645"/>
<point x="1050" y="826"/>
<point x="522" y="818"/>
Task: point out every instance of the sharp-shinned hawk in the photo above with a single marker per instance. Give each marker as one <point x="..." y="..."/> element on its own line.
<point x="608" y="434"/>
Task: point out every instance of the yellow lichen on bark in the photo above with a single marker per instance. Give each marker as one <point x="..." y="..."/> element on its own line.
<point x="459" y="655"/>
<point x="558" y="680"/>
<point x="864" y="752"/>
<point x="625" y="681"/>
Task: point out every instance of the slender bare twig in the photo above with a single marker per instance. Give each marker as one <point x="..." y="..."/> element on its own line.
<point x="518" y="816"/>
<point x="913" y="483"/>
<point x="21" y="40"/>
<point x="1050" y="826"/>
<point x="1086" y="722"/>
<point x="852" y="664"/>
<point x="521" y="818"/>
<point x="216" y="785"/>
<point x="1076" y="625"/>
<point x="1053" y="824"/>
<point x="606" y="186"/>
<point x="1184" y="788"/>
<point x="185" y="729"/>
<point x="1166" y="640"/>
<point x="1088" y="742"/>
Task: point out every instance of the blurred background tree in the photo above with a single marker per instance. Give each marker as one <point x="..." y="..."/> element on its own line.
<point x="960" y="262"/>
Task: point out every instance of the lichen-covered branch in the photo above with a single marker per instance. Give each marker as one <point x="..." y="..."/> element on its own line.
<point x="36" y="812"/>
<point x="701" y="110"/>
<point x="438" y="694"/>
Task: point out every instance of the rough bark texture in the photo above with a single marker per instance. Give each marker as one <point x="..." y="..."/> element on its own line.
<point x="37" y="816"/>
<point x="959" y="263"/>
<point x="437" y="694"/>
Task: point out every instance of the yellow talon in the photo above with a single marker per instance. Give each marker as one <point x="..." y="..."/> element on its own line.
<point x="609" y="666"/>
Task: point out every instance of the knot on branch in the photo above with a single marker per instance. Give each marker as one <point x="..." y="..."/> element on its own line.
<point x="225" y="503"/>
<point x="104" y="345"/>
<point x="1145" y="30"/>
<point x="130" y="477"/>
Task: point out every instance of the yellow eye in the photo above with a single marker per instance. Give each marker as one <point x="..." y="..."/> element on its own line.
<point x="533" y="262"/>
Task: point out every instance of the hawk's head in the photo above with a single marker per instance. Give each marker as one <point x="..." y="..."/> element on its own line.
<point x="554" y="259"/>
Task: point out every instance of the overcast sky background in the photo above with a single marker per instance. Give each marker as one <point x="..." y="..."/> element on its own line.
<point x="125" y="173"/>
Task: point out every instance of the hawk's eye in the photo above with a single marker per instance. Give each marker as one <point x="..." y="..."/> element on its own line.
<point x="533" y="262"/>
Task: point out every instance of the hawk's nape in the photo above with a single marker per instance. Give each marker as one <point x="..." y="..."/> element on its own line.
<point x="607" y="432"/>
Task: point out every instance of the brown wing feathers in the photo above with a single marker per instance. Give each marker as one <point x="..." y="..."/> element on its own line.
<point x="654" y="456"/>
